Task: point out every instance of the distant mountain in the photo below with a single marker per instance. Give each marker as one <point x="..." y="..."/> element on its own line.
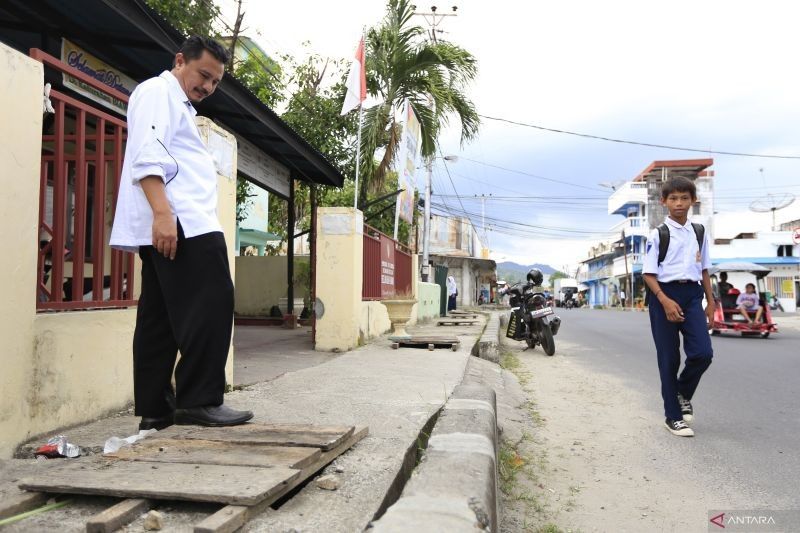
<point x="513" y="272"/>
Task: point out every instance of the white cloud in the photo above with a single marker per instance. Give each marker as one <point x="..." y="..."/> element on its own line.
<point x="716" y="74"/>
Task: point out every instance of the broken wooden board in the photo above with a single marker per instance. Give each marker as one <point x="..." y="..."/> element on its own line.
<point x="218" y="453"/>
<point x="426" y="341"/>
<point x="238" y="485"/>
<point x="232" y="517"/>
<point x="117" y="516"/>
<point x="323" y="437"/>
<point x="455" y="322"/>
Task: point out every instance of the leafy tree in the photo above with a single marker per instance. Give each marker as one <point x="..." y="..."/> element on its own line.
<point x="402" y="66"/>
<point x="190" y="17"/>
<point x="313" y="111"/>
<point x="557" y="275"/>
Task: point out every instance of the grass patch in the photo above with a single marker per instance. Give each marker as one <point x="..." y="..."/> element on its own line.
<point x="549" y="528"/>
<point x="510" y="465"/>
<point x="511" y="362"/>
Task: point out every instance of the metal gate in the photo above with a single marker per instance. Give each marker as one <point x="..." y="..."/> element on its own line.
<point x="440" y="278"/>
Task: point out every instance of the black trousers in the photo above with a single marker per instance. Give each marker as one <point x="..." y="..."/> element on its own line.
<point x="186" y="305"/>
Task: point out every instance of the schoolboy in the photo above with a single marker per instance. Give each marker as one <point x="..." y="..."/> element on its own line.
<point x="676" y="286"/>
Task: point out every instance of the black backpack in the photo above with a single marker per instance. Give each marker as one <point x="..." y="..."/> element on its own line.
<point x="663" y="239"/>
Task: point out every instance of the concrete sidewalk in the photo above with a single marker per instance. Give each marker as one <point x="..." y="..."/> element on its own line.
<point x="397" y="393"/>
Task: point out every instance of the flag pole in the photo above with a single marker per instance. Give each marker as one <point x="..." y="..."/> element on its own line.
<point x="358" y="152"/>
<point x="360" y="118"/>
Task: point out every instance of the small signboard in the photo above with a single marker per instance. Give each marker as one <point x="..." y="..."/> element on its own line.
<point x="387" y="266"/>
<point x="78" y="58"/>
<point x="261" y="168"/>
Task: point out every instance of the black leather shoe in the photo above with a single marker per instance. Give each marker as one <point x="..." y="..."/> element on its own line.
<point x="211" y="416"/>
<point x="156" y="423"/>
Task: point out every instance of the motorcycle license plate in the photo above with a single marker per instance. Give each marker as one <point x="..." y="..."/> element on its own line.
<point x="544" y="311"/>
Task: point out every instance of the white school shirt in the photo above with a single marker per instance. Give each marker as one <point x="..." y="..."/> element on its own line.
<point x="163" y="140"/>
<point x="683" y="259"/>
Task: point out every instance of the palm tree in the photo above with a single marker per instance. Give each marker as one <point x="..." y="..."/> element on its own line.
<point x="431" y="76"/>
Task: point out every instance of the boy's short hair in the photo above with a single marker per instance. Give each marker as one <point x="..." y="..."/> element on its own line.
<point x="678" y="184"/>
<point x="192" y="48"/>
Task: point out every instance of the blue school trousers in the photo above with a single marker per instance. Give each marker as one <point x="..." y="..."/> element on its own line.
<point x="696" y="343"/>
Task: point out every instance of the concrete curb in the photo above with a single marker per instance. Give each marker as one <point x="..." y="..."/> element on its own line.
<point x="455" y="486"/>
<point x="487" y="346"/>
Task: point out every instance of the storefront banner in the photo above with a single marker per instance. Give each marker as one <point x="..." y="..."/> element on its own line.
<point x="78" y="58"/>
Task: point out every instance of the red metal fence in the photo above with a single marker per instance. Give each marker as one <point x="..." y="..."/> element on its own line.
<point x="82" y="151"/>
<point x="386" y="264"/>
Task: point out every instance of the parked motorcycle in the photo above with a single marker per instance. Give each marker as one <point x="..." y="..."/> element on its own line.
<point x="532" y="320"/>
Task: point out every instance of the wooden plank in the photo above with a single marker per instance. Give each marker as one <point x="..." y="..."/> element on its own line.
<point x="218" y="453"/>
<point x="232" y="517"/>
<point x="323" y="437"/>
<point x="239" y="485"/>
<point x="227" y="520"/>
<point x="424" y="339"/>
<point x="21" y="503"/>
<point x="117" y="516"/>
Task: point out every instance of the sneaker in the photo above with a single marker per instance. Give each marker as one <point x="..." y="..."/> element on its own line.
<point x="679" y="428"/>
<point x="686" y="409"/>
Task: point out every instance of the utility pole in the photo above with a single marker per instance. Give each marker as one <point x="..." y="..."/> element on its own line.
<point x="426" y="223"/>
<point x="625" y="251"/>
<point x="483" y="219"/>
<point x="434" y="19"/>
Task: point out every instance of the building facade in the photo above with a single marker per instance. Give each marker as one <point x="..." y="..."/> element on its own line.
<point x="614" y="266"/>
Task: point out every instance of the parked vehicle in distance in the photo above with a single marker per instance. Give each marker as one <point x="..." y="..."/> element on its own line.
<point x="531" y="319"/>
<point x="563" y="286"/>
<point x="728" y="317"/>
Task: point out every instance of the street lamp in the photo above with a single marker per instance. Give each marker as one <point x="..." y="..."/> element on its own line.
<point x="426" y="223"/>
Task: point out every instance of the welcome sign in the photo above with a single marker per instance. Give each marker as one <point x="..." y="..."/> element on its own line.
<point x="78" y="58"/>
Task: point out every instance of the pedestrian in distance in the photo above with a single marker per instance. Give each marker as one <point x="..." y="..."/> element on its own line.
<point x="676" y="273"/>
<point x="167" y="211"/>
<point x="452" y="292"/>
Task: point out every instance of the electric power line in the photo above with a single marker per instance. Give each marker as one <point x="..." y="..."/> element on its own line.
<point x="562" y="182"/>
<point x="638" y="143"/>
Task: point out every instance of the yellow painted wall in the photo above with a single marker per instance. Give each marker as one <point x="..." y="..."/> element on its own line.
<point x="373" y="322"/>
<point x="261" y="282"/>
<point x="81" y="367"/>
<point x="20" y="151"/>
<point x="340" y="252"/>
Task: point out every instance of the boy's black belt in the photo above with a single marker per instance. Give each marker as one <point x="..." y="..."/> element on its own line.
<point x="682" y="281"/>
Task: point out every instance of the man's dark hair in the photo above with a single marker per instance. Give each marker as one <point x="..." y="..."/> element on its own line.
<point x="678" y="184"/>
<point x="192" y="48"/>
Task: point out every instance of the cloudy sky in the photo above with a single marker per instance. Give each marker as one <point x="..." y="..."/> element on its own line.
<point x="711" y="74"/>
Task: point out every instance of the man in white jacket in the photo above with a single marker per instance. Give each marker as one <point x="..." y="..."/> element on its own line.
<point x="166" y="210"/>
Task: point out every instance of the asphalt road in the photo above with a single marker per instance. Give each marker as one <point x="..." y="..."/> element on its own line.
<point x="747" y="407"/>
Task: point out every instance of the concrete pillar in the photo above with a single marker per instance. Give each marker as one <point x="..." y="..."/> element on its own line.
<point x="339" y="277"/>
<point x="20" y="155"/>
<point x="465" y="290"/>
<point x="222" y="145"/>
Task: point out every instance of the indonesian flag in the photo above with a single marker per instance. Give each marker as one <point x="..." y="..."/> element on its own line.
<point x="356" y="82"/>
